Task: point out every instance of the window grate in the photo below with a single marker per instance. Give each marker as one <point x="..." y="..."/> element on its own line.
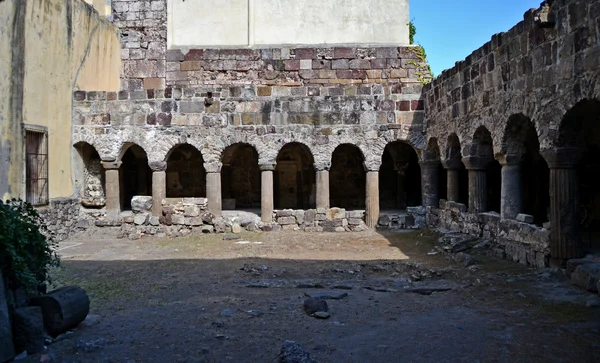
<point x="36" y="167"/>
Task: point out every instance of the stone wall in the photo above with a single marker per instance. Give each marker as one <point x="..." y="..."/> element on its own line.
<point x="520" y="242"/>
<point x="61" y="217"/>
<point x="539" y="69"/>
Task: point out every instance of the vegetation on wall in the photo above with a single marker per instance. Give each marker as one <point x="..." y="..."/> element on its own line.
<point x="26" y="254"/>
<point x="424" y="73"/>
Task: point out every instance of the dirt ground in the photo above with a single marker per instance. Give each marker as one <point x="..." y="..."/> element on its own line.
<point x="205" y="299"/>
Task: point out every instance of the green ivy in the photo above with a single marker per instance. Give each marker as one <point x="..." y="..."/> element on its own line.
<point x="412" y="31"/>
<point x="26" y="254"/>
<point x="424" y="73"/>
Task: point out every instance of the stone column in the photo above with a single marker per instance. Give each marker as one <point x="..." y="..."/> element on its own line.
<point x="112" y="189"/>
<point x="159" y="186"/>
<point x="323" y="189"/>
<point x="476" y="167"/>
<point x="213" y="188"/>
<point x="372" y="199"/>
<point x="266" y="193"/>
<point x="430" y="183"/>
<point x="452" y="167"/>
<point x="565" y="228"/>
<point x="511" y="195"/>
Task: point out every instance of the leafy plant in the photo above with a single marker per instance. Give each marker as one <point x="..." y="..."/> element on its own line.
<point x="424" y="72"/>
<point x="26" y="254"/>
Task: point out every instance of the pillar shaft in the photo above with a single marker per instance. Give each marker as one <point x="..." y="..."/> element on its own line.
<point x="477" y="191"/>
<point x="511" y="195"/>
<point x="323" y="189"/>
<point x="266" y="196"/>
<point x="372" y="199"/>
<point x="565" y="228"/>
<point x="213" y="193"/>
<point x="453" y="185"/>
<point x="565" y="233"/>
<point x="159" y="191"/>
<point x="430" y="183"/>
<point x="113" y="189"/>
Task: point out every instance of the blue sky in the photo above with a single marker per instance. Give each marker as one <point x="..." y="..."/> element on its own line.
<point x="451" y="30"/>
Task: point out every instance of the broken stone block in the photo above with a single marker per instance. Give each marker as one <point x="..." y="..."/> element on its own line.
<point x="525" y="218"/>
<point x="340" y="229"/>
<point x="358" y="214"/>
<point x="154" y="221"/>
<point x="576" y="262"/>
<point x="194" y="201"/>
<point x="299" y="214"/>
<point x="384" y="221"/>
<point x="222" y="226"/>
<point x="141" y="203"/>
<point x="312" y="305"/>
<point x="63" y="309"/>
<point x="283" y="213"/>
<point x="336" y="213"/>
<point x="236" y="228"/>
<point x="292" y="352"/>
<point x="354" y="221"/>
<point x="141" y="218"/>
<point x="587" y="276"/>
<point x="290" y="227"/>
<point x="29" y="329"/>
<point x="195" y="221"/>
<point x="309" y="216"/>
<point x="208" y="218"/>
<point x="286" y="220"/>
<point x="178" y="219"/>
<point x="191" y="211"/>
<point x="207" y="229"/>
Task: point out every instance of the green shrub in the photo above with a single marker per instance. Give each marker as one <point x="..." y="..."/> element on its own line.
<point x="26" y="254"/>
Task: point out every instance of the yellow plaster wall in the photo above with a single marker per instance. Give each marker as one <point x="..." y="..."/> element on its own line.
<point x="59" y="60"/>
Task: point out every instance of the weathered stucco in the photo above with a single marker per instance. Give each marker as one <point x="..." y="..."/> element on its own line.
<point x="238" y="23"/>
<point x="52" y="47"/>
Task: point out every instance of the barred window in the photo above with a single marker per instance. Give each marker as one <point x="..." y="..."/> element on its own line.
<point x="36" y="166"/>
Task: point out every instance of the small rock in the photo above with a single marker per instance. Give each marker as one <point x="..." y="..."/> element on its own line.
<point x="312" y="306"/>
<point x="525" y="218"/>
<point x="236" y="228"/>
<point x="464" y="259"/>
<point x="207" y="229"/>
<point x="326" y="295"/>
<point x="292" y="352"/>
<point x="231" y="237"/>
<point x="227" y="313"/>
<point x="587" y="276"/>
<point x="321" y="315"/>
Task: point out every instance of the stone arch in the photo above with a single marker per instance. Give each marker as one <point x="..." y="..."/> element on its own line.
<point x="135" y="175"/>
<point x="521" y="149"/>
<point x="481" y="154"/>
<point x="294" y="177"/>
<point x="399" y="177"/>
<point x="265" y="154"/>
<point x="579" y="129"/>
<point x="240" y="177"/>
<point x="186" y="175"/>
<point x="89" y="176"/>
<point x="347" y="177"/>
<point x="126" y="145"/>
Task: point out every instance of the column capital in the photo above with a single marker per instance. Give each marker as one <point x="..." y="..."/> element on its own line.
<point x="476" y="162"/>
<point x="213" y="167"/>
<point x="509" y="159"/>
<point x="111" y="165"/>
<point x="372" y="166"/>
<point x="322" y="166"/>
<point x="562" y="158"/>
<point x="452" y="164"/>
<point x="158" y="165"/>
<point x="267" y="167"/>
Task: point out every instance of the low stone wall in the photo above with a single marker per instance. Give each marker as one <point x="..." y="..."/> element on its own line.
<point x="521" y="242"/>
<point x="318" y="220"/>
<point x="61" y="217"/>
<point x="412" y="218"/>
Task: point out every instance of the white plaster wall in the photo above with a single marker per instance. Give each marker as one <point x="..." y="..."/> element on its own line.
<point x="217" y="23"/>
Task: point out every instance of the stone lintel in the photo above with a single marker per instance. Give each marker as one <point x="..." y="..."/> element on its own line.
<point x="476" y="162"/>
<point x="111" y="165"/>
<point x="562" y="158"/>
<point x="158" y="165"/>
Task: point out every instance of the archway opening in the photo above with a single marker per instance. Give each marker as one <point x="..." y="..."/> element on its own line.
<point x="294" y="178"/>
<point x="240" y="178"/>
<point x="399" y="177"/>
<point x="90" y="179"/>
<point x="186" y="176"/>
<point x="579" y="129"/>
<point x="482" y="147"/>
<point x="135" y="176"/>
<point x="347" y="178"/>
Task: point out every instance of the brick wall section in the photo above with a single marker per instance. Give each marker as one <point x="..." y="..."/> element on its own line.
<point x="532" y="69"/>
<point x="218" y="106"/>
<point x="292" y="66"/>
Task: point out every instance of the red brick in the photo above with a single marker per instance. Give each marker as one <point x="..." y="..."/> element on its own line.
<point x="111" y="96"/>
<point x="403" y="105"/>
<point x="292" y="64"/>
<point x="306" y="53"/>
<point x="193" y="54"/>
<point x="417" y="105"/>
<point x="344" y="52"/>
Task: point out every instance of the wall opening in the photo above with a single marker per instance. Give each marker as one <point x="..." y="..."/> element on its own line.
<point x="579" y="129"/>
<point x="186" y="176"/>
<point x="90" y="179"/>
<point x="399" y="177"/>
<point x="36" y="167"/>
<point x="347" y="178"/>
<point x="454" y="158"/>
<point x="482" y="147"/>
<point x="240" y="178"/>
<point x="294" y="178"/>
<point x="135" y="176"/>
